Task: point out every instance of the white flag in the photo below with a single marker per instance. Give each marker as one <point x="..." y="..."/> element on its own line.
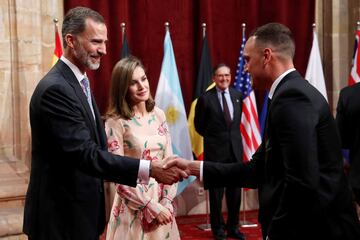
<point x="314" y="71"/>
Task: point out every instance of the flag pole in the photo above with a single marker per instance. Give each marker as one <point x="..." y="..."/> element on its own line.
<point x="244" y="223"/>
<point x="203" y="29"/>
<point x="166" y="26"/>
<point x="122" y="32"/>
<point x="207" y="225"/>
<point x="55" y="20"/>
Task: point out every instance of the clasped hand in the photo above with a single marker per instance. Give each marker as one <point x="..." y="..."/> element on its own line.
<point x="167" y="171"/>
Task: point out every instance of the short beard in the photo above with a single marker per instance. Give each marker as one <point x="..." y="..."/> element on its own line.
<point x="84" y="58"/>
<point x="92" y="66"/>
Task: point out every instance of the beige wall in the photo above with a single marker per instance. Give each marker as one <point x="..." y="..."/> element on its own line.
<point x="336" y="26"/>
<point x="26" y="46"/>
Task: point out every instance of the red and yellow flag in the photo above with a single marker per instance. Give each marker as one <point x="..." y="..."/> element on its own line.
<point x="58" y="49"/>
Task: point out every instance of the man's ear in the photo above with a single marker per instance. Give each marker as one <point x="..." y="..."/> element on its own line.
<point x="69" y="38"/>
<point x="267" y="53"/>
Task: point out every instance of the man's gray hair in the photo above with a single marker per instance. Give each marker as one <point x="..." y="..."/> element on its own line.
<point x="75" y="21"/>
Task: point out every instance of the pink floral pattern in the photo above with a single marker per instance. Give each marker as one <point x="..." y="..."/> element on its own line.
<point x="146" y="155"/>
<point x="163" y="129"/>
<point x="113" y="145"/>
<point x="116" y="211"/>
<point x="135" y="210"/>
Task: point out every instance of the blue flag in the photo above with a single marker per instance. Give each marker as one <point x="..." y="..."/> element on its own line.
<point x="169" y="98"/>
<point x="125" y="50"/>
<point x="263" y="113"/>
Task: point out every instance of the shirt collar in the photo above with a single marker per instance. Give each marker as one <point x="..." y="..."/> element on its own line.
<point x="218" y="90"/>
<point x="79" y="76"/>
<point x="278" y="80"/>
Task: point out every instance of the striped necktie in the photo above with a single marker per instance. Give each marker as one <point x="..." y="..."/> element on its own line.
<point x="86" y="88"/>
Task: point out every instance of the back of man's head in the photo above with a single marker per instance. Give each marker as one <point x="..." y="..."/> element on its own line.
<point x="75" y="21"/>
<point x="276" y="36"/>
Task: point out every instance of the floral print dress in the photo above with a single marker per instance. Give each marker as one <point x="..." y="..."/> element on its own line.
<point x="134" y="210"/>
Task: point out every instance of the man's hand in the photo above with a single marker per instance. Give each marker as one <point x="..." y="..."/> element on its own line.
<point x="169" y="175"/>
<point x="189" y="167"/>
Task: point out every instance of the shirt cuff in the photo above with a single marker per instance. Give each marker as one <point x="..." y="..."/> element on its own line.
<point x="144" y="171"/>
<point x="201" y="170"/>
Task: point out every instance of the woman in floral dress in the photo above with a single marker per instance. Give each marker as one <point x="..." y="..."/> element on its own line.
<point x="135" y="127"/>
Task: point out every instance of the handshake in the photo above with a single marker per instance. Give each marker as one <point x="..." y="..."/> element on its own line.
<point x="173" y="169"/>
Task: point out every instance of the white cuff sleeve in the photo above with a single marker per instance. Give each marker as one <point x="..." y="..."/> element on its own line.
<point x="201" y="170"/>
<point x="144" y="171"/>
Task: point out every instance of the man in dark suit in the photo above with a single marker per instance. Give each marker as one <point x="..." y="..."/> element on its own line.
<point x="303" y="192"/>
<point x="217" y="119"/>
<point x="65" y="197"/>
<point x="348" y="122"/>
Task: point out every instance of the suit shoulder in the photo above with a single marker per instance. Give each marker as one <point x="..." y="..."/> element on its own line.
<point x="208" y="93"/>
<point x="349" y="91"/>
<point x="300" y="90"/>
<point x="350" y="98"/>
<point x="53" y="77"/>
<point x="301" y="86"/>
<point x="53" y="81"/>
<point x="235" y="92"/>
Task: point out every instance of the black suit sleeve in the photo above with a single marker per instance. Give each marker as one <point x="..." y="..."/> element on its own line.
<point x="63" y="118"/>
<point x="237" y="174"/>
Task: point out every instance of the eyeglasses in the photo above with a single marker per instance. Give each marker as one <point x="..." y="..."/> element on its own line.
<point x="223" y="75"/>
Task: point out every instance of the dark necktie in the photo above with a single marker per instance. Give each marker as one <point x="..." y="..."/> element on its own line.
<point x="267" y="119"/>
<point x="86" y="88"/>
<point x="226" y="110"/>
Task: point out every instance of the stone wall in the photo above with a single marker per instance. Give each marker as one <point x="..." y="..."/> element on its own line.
<point x="336" y="21"/>
<point x="26" y="50"/>
<point x="26" y="46"/>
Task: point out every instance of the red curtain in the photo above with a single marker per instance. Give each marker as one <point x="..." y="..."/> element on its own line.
<point x="145" y="32"/>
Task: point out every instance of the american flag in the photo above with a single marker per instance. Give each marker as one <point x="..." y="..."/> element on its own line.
<point x="355" y="70"/>
<point x="249" y="126"/>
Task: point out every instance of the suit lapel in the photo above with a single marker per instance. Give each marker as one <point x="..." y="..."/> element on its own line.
<point x="215" y="101"/>
<point x="216" y="104"/>
<point x="100" y="133"/>
<point x="71" y="79"/>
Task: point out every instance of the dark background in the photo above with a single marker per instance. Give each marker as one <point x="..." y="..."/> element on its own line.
<point x="145" y="33"/>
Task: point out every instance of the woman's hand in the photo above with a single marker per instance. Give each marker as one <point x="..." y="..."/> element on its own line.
<point x="164" y="217"/>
